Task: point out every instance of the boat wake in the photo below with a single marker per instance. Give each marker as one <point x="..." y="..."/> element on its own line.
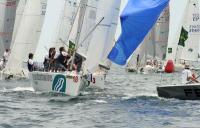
<point x="17" y="89"/>
<point x="140" y="96"/>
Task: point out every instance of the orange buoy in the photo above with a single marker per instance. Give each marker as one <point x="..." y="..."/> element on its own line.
<point x="169" y="68"/>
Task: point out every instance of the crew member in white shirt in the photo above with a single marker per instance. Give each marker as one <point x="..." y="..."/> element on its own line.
<point x="187" y="76"/>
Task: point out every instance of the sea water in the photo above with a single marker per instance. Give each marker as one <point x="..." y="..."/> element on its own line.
<point x="128" y="101"/>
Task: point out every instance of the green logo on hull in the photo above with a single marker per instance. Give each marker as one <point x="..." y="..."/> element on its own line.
<point x="59" y="83"/>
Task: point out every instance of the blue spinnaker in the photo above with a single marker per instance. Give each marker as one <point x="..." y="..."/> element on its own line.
<point x="137" y="19"/>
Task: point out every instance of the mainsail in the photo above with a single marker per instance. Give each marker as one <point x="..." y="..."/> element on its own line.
<point x="27" y="36"/>
<point x="137" y="19"/>
<point x="7" y="18"/>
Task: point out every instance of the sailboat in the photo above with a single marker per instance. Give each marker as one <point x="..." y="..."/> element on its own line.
<point x="189" y="35"/>
<point x="7" y="18"/>
<point x="178" y="47"/>
<point x="26" y="39"/>
<point x="92" y="19"/>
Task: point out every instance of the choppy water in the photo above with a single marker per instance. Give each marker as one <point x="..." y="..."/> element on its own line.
<point x="129" y="101"/>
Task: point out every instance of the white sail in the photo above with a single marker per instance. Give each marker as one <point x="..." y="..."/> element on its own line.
<point x="114" y="15"/>
<point x="103" y="36"/>
<point x="161" y="34"/>
<point x="89" y="23"/>
<point x="67" y="20"/>
<point x="28" y="34"/>
<point x="7" y="18"/>
<point x="49" y="29"/>
<point x="177" y="15"/>
<point x="138" y="55"/>
<point x="18" y="17"/>
<point x="192" y="26"/>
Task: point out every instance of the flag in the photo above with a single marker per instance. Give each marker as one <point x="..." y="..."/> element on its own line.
<point x="137" y="19"/>
<point x="183" y="37"/>
<point x="71" y="48"/>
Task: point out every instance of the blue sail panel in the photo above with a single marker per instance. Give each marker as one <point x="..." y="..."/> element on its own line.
<point x="137" y="19"/>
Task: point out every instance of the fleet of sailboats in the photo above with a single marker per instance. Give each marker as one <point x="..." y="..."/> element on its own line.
<point x="146" y="42"/>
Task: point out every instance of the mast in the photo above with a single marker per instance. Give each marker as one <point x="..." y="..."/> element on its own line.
<point x="83" y="7"/>
<point x="153" y="33"/>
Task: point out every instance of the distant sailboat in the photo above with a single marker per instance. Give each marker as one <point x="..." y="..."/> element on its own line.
<point x="186" y="47"/>
<point x="189" y="38"/>
<point x="26" y="38"/>
<point x="7" y="18"/>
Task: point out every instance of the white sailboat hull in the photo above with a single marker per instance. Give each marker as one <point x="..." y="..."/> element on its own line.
<point x="149" y="69"/>
<point x="68" y="83"/>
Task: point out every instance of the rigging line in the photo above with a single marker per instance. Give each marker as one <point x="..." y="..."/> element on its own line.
<point x="91" y="32"/>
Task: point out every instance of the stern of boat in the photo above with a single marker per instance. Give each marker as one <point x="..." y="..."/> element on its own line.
<point x="68" y="83"/>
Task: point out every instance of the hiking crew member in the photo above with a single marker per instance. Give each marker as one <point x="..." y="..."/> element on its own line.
<point x="62" y="59"/>
<point x="187" y="75"/>
<point x="30" y="63"/>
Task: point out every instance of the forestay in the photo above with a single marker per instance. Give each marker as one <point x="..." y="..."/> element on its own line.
<point x="27" y="36"/>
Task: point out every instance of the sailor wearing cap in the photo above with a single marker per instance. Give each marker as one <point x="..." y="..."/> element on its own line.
<point x="187" y="75"/>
